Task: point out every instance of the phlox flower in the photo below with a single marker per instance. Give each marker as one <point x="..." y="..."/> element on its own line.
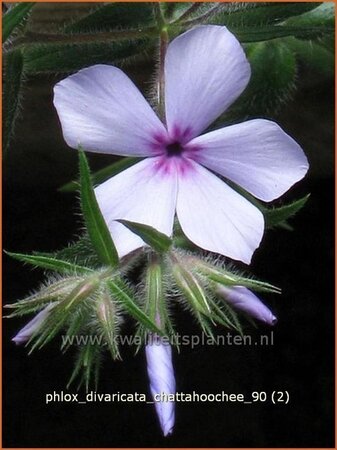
<point x="206" y="70"/>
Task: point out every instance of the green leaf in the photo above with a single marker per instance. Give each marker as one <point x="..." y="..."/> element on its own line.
<point x="14" y="17"/>
<point x="229" y="279"/>
<point x="121" y="293"/>
<point x="156" y="240"/>
<point x="261" y="22"/>
<point x="280" y="31"/>
<point x="50" y="263"/>
<point x="276" y="216"/>
<point x="272" y="81"/>
<point x="103" y="174"/>
<point x="314" y="56"/>
<point x="71" y="57"/>
<point x="54" y="292"/>
<point x="12" y="87"/>
<point x="95" y="223"/>
<point x="114" y="16"/>
<point x="245" y="15"/>
<point x="80" y="252"/>
<point x="87" y="365"/>
<point x="225" y="315"/>
<point x="76" y="324"/>
<point x="322" y="16"/>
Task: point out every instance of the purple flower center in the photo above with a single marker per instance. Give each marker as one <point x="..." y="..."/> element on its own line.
<point x="174" y="149"/>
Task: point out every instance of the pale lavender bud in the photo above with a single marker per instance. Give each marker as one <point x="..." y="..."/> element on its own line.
<point x="162" y="381"/>
<point x="27" y="331"/>
<point x="243" y="299"/>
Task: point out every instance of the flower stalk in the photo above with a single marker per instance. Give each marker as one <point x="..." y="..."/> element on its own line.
<point x="164" y="40"/>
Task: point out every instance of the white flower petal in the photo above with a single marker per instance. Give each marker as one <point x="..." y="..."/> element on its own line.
<point x="145" y="193"/>
<point x="162" y="381"/>
<point x="215" y="217"/>
<point x="205" y="71"/>
<point x="257" y="155"/>
<point x="102" y="110"/>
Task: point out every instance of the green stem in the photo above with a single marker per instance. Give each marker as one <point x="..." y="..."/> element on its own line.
<point x="163" y="43"/>
<point x="164" y="40"/>
<point x="158" y="15"/>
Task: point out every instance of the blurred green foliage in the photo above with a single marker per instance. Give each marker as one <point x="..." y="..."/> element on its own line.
<point x="279" y="39"/>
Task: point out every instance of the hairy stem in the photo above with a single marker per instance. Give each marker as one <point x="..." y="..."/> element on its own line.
<point x="164" y="40"/>
<point x="163" y="43"/>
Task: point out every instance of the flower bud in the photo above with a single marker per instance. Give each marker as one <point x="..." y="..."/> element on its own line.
<point x="162" y="381"/>
<point x="243" y="299"/>
<point x="190" y="285"/>
<point x="27" y="331"/>
<point x="109" y="321"/>
<point x="81" y="292"/>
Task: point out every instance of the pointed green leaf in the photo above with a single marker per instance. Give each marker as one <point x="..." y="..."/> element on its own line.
<point x="225" y="315"/>
<point x="12" y="87"/>
<point x="54" y="292"/>
<point x="87" y="366"/>
<point x="158" y="241"/>
<point x="74" y="56"/>
<point x="103" y="174"/>
<point x="280" y="31"/>
<point x="14" y="17"/>
<point x="276" y="216"/>
<point x="254" y="22"/>
<point x="232" y="280"/>
<point x="244" y="15"/>
<point x="50" y="263"/>
<point x="77" y="323"/>
<point x="80" y="252"/>
<point x="121" y="293"/>
<point x="322" y="16"/>
<point x="226" y="278"/>
<point x="112" y="16"/>
<point x="95" y="223"/>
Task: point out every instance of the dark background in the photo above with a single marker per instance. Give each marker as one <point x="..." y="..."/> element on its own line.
<point x="38" y="217"/>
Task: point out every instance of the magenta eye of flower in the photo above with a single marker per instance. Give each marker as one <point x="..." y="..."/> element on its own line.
<point x="174" y="149"/>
